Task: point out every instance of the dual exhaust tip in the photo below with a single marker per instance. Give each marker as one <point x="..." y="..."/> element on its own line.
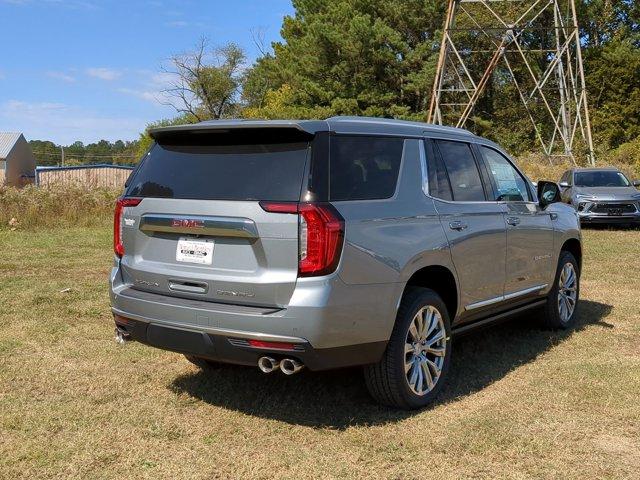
<point x="288" y="366"/>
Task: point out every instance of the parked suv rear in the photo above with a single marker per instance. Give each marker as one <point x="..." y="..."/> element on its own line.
<point x="327" y="244"/>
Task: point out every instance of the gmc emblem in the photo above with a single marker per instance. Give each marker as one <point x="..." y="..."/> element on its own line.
<point x="185" y="223"/>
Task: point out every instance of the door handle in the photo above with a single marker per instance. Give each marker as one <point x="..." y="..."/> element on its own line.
<point x="457" y="225"/>
<point x="513" y="221"/>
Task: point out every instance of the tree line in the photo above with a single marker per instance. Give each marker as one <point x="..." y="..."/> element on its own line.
<point x="378" y="58"/>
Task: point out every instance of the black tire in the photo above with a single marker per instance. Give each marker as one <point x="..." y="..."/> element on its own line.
<point x="552" y="316"/>
<point x="386" y="380"/>
<point x="201" y="363"/>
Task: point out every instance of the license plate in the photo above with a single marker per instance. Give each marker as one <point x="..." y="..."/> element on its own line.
<point x="190" y="250"/>
<point x="615" y="211"/>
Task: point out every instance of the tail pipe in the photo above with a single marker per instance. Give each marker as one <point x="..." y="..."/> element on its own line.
<point x="268" y="364"/>
<point x="289" y="366"/>
<point x="121" y="335"/>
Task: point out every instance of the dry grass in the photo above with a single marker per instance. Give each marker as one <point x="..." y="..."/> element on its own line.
<point x="63" y="206"/>
<point x="522" y="402"/>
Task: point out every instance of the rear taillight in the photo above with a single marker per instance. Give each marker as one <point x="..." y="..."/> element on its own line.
<point x="121" y="203"/>
<point x="320" y="235"/>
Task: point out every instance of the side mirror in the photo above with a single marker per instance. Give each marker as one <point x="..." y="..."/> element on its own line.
<point x="548" y="193"/>
<point x="564" y="184"/>
<point x="636" y="183"/>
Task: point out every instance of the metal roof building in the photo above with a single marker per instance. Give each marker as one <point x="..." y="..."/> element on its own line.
<point x="17" y="162"/>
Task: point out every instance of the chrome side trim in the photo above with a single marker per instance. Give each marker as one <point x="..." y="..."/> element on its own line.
<point x="519" y="293"/>
<point x="484" y="303"/>
<point x="199" y="225"/>
<point x="508" y="296"/>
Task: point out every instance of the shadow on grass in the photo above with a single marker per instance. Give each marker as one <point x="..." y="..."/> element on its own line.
<point x="338" y="399"/>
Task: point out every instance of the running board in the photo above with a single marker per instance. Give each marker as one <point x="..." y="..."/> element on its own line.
<point x="496" y="318"/>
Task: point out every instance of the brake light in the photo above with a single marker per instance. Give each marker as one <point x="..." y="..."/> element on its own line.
<point x="320" y="235"/>
<point x="121" y="203"/>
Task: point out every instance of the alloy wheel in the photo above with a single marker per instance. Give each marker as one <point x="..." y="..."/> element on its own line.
<point x="567" y="291"/>
<point x="425" y="349"/>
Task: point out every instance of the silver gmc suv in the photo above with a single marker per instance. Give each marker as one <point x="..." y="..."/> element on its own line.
<point x="342" y="242"/>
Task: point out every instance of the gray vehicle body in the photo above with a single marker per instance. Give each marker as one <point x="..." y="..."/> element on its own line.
<point x="487" y="259"/>
<point x="604" y="204"/>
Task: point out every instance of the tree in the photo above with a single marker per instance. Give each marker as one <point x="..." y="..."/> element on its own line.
<point x="207" y="82"/>
<point x="367" y="57"/>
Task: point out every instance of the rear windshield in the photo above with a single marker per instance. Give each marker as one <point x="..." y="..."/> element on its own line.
<point x="262" y="171"/>
<point x="604" y="178"/>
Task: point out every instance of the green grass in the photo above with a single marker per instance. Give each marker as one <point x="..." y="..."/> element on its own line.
<point x="521" y="402"/>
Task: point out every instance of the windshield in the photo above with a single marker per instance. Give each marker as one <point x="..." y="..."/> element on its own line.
<point x="605" y="178"/>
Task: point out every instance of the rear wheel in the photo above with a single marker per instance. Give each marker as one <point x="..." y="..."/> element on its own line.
<point x="201" y="363"/>
<point x="415" y="364"/>
<point x="562" y="301"/>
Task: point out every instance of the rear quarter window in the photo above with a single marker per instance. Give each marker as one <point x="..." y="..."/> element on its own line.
<point x="364" y="168"/>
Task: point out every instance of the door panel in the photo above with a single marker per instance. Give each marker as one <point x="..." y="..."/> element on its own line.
<point x="529" y="246"/>
<point x="477" y="238"/>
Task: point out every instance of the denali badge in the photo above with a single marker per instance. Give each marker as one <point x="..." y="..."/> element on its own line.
<point x="146" y="283"/>
<point x="129" y="222"/>
<point x="235" y="294"/>
<point x="186" y="223"/>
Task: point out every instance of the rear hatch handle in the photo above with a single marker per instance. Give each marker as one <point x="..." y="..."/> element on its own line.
<point x="188" y="287"/>
<point x="199" y="225"/>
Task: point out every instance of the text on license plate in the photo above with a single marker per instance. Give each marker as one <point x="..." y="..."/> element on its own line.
<point x="194" y="251"/>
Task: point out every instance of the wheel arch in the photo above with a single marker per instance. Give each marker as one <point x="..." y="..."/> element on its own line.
<point x="441" y="280"/>
<point x="574" y="247"/>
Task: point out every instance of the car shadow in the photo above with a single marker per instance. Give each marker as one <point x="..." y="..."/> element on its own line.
<point x="339" y="399"/>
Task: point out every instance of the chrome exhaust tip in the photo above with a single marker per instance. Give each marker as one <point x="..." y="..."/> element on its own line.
<point x="121" y="336"/>
<point x="268" y="364"/>
<point x="289" y="366"/>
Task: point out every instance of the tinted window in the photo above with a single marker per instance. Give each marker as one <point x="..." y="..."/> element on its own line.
<point x="602" y="178"/>
<point x="364" y="168"/>
<point x="438" y="181"/>
<point x="222" y="172"/>
<point x="511" y="186"/>
<point x="463" y="171"/>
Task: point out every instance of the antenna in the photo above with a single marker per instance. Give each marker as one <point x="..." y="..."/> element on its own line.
<point x="532" y="44"/>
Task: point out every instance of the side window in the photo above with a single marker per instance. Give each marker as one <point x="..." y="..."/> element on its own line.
<point x="511" y="186"/>
<point x="364" y="168"/>
<point x="462" y="170"/>
<point x="438" y="181"/>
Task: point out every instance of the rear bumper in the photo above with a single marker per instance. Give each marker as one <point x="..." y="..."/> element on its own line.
<point x="227" y="348"/>
<point x="331" y="324"/>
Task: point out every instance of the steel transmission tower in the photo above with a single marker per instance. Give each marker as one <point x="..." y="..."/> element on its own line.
<point x="531" y="49"/>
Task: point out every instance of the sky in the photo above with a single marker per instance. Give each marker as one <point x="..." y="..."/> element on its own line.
<point x="93" y="69"/>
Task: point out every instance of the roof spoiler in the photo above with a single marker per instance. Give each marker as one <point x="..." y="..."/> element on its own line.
<point x="223" y="126"/>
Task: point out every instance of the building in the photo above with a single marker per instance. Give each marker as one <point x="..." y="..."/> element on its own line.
<point x="17" y="162"/>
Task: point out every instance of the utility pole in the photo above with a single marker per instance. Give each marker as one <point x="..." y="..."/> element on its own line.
<point x="61" y="156"/>
<point x="534" y="45"/>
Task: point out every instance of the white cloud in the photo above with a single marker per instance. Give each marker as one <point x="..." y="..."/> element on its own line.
<point x="61" y="76"/>
<point x="178" y="23"/>
<point x="65" y="124"/>
<point x="103" y="73"/>
<point x="152" y="97"/>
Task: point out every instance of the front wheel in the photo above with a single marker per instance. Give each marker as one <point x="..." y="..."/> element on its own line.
<point x="562" y="301"/>
<point x="416" y="362"/>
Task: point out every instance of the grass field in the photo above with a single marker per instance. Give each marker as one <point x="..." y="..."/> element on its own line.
<point x="522" y="402"/>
